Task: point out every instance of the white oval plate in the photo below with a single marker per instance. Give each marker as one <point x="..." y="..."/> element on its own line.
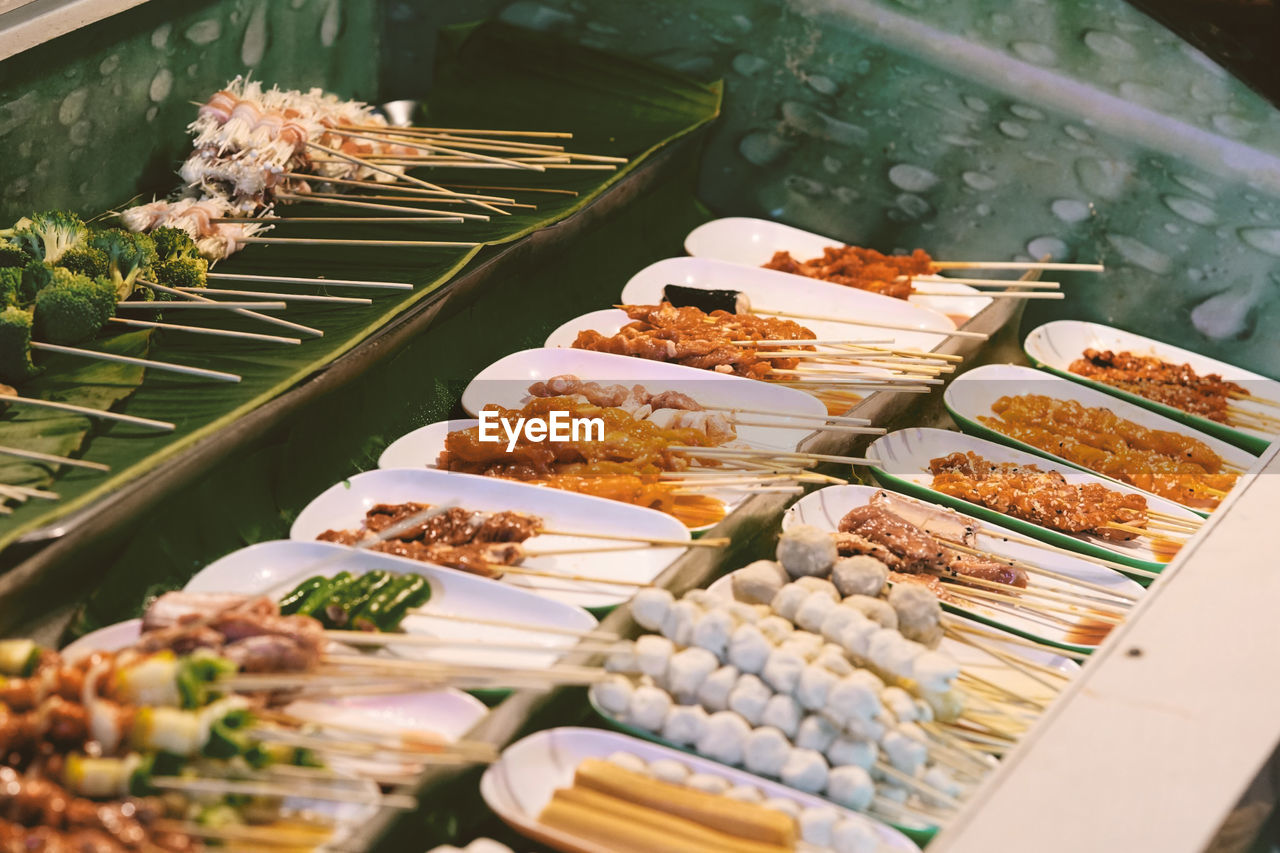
<point x="1056" y="345"/>
<point x="519" y="786"/>
<point x="506" y="383"/>
<point x="825" y="507"/>
<point x="780" y="291"/>
<point x="904" y="460"/>
<point x="274" y="568"/>
<point x="343" y="507"/>
<point x="973" y="393"/>
<point x="976" y="662"/>
<point x="422" y="447"/>
<point x="752" y="242"/>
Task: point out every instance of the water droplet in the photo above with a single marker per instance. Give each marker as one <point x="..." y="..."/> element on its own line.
<point x="1140" y="254"/>
<point x="831" y="164"/>
<point x="109" y="65"/>
<point x="192" y="69"/>
<point x="982" y="209"/>
<point x="1024" y="111"/>
<point x="204" y="32"/>
<point x="747" y="64"/>
<point x="1070" y="210"/>
<point x="976" y="104"/>
<point x="160" y="37"/>
<point x="1013" y="129"/>
<point x="1228" y="314"/>
<point x="762" y="147"/>
<point x="804" y="186"/>
<point x="255" y="37"/>
<point x="1204" y="92"/>
<point x="331" y="23"/>
<point x="161" y="85"/>
<point x="846" y="194"/>
<point x="913" y="206"/>
<point x="1079" y="134"/>
<point x="81" y="132"/>
<point x="913" y="179"/>
<point x="1105" y="178"/>
<point x="1263" y="239"/>
<point x="72" y="106"/>
<point x="1148" y="96"/>
<point x="535" y="16"/>
<point x="822" y="84"/>
<point x="1196" y="187"/>
<point x="743" y="22"/>
<point x="297" y="4"/>
<point x="152" y="112"/>
<point x="1051" y="246"/>
<point x="1232" y="125"/>
<point x="1194" y="274"/>
<point x="1109" y="45"/>
<point x="603" y="29"/>
<point x="1001" y="21"/>
<point x="1172" y="228"/>
<point x="960" y="141"/>
<point x="1034" y="52"/>
<point x="816" y="123"/>
<point x="979" y="181"/>
<point x="1190" y="209"/>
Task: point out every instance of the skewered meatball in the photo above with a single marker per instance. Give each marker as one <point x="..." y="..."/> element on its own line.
<point x="783" y="713"/>
<point x="851" y="787"/>
<point x="714" y="692"/>
<point x="815" y="584"/>
<point x="813" y="610"/>
<point x="678" y="625"/>
<point x="854" y="836"/>
<point x="854" y="697"/>
<point x="653" y="656"/>
<point x="766" y="751"/>
<point x="833" y="658"/>
<point x="788" y="601"/>
<point x="776" y="628"/>
<point x="684" y="724"/>
<point x="919" y="613"/>
<point x="748" y="698"/>
<point x="712" y="631"/>
<point x="814" y="684"/>
<point x="893" y="653"/>
<point x="901" y="704"/>
<point x="743" y="612"/>
<point x="859" y="575"/>
<point x="806" y="644"/>
<point x="749" y="649"/>
<point x="758" y="582"/>
<point x="873" y="608"/>
<point x="817" y="824"/>
<point x="903" y="751"/>
<point x="806" y="550"/>
<point x="614" y="693"/>
<point x="724" y="737"/>
<point x="934" y="671"/>
<point x="687" y="670"/>
<point x="703" y="598"/>
<point x="816" y="732"/>
<point x="782" y="670"/>
<point x="649" y="607"/>
<point x="805" y="770"/>
<point x="649" y="707"/>
<point x="855" y="637"/>
<point x="851" y="751"/>
<point x="834" y="623"/>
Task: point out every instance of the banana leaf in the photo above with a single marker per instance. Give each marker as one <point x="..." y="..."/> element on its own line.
<point x="489" y="75"/>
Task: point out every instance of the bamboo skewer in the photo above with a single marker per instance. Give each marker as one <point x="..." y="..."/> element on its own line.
<point x="103" y="414"/>
<point x="141" y="362"/>
<point x="849" y="430"/>
<point x="956" y="333"/>
<point x="772" y="454"/>
<point x="371" y="638"/>
<point x="407" y="199"/>
<point x="290" y="279"/>
<point x="56" y="460"/>
<point x="355" y="220"/>
<point x="288" y="297"/>
<point x="268" y="789"/>
<point x="1016" y="601"/>
<point x="428" y="214"/>
<point x="416" y="129"/>
<point x="399" y="177"/>
<point x="335" y="241"/>
<point x="835" y="419"/>
<point x="986" y="282"/>
<point x="1045" y="546"/>
<point x="207" y="305"/>
<point x="1016" y="265"/>
<point x="265" y="835"/>
<point x="1062" y="596"/>
<point x="515" y="570"/>
<point x="1034" y="569"/>
<point x="1013" y="639"/>
<point x="201" y="330"/>
<point x="242" y="312"/>
<point x="440" y="193"/>
<point x="517" y="626"/>
<point x="448" y="150"/>
<point x="936" y="294"/>
<point x="712" y="542"/>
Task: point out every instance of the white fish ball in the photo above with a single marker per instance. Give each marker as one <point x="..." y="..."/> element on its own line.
<point x="669" y="770"/>
<point x="835" y="621"/>
<point x="813" y="610"/>
<point x="816" y="732"/>
<point x="649" y="607"/>
<point x="855" y="696"/>
<point x="649" y="707"/>
<point x="783" y="713"/>
<point x="817" y="824"/>
<point x="614" y="694"/>
<point x="687" y="670"/>
<point x="854" y="836"/>
<point x="678" y="626"/>
<point x="708" y="783"/>
<point x="806" y="550"/>
<point x="724" y="736"/>
<point x="776" y="628"/>
<point x="822" y="585"/>
<point x="859" y="575"/>
<point x="900" y="703"/>
<point x="852" y="751"/>
<point x="743" y="612"/>
<point x="804" y="642"/>
<point x="758" y="582"/>
<point x="782" y="669"/>
<point x="712" y="630"/>
<point x="766" y="751"/>
<point x="629" y="761"/>
<point x="703" y="598"/>
<point x="891" y="652"/>
<point x="805" y="770"/>
<point x="713" y="694"/>
<point x="653" y="656"/>
<point x="833" y="658"/>
<point x="815" y="683"/>
<point x="924" y="711"/>
<point x="788" y="601"/>
<point x="685" y="724"/>
<point x="903" y="751"/>
<point x="934" y="671"/>
<point x="873" y="608"/>
<point x="851" y="787"/>
<point x="748" y="698"/>
<point x="623" y="660"/>
<point x="855" y="638"/>
<point x="919" y="613"/>
<point x="749" y="649"/>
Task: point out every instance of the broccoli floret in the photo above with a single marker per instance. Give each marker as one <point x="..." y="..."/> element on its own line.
<point x="182" y="272"/>
<point x="10" y="286"/>
<point x="174" y="243"/>
<point x="128" y="255"/>
<point x="35" y="277"/>
<point x="15" y="345"/>
<point x="48" y="236"/>
<point x="86" y="260"/>
<point x="72" y="308"/>
<point x="13" y="255"/>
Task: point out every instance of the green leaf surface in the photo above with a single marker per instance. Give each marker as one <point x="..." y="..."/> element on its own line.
<point x="488" y="76"/>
